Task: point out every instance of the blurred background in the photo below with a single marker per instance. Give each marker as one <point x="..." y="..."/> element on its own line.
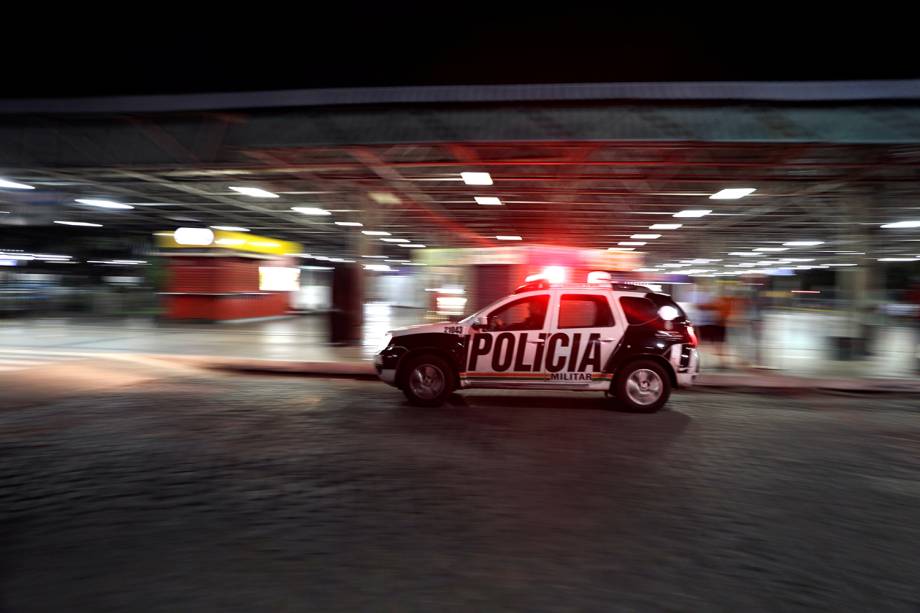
<point x="791" y="237"/>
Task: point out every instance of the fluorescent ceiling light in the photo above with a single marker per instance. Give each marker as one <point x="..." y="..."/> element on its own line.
<point x="632" y="243"/>
<point x="674" y="265"/>
<point x="355" y="224"/>
<point x="310" y="210"/>
<point x="85" y="224"/>
<point x="903" y="224"/>
<point x="384" y="198"/>
<point x="803" y="243"/>
<point x="897" y="259"/>
<point x="645" y="236"/>
<point x="733" y="193"/>
<point x="508" y="237"/>
<point x="378" y="267"/>
<point x="374" y="256"/>
<point x="4" y="184"/>
<point x="254" y="192"/>
<point x="103" y="204"/>
<point x="396" y="240"/>
<point x="647" y="270"/>
<point x="230" y="242"/>
<point x="398" y="261"/>
<point x="412" y="245"/>
<point x="343" y="260"/>
<point x="744" y="254"/>
<point x="476" y="178"/>
<point x="375" y="233"/>
<point x="487" y="200"/>
<point x="665" y="226"/>
<point x="693" y="213"/>
<point x="621" y="248"/>
<point x="231" y="228"/>
<point x="771" y="249"/>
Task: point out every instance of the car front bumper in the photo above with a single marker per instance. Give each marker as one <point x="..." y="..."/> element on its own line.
<point x="686" y="375"/>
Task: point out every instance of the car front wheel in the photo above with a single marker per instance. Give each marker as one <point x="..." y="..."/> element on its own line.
<point x="642" y="386"/>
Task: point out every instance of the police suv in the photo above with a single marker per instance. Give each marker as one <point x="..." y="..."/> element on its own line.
<point x="624" y="340"/>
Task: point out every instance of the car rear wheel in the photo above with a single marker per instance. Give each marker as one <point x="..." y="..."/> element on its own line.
<point x="427" y="381"/>
<point x="642" y="386"/>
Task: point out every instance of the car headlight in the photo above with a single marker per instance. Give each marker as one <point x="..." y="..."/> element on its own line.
<point x="384" y="342"/>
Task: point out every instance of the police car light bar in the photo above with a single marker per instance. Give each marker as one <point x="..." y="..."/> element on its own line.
<point x="599" y="276"/>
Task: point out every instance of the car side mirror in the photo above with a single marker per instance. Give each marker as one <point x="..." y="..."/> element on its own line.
<point x="481" y="322"/>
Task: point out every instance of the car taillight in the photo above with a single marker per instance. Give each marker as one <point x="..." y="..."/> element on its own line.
<point x="691" y="333"/>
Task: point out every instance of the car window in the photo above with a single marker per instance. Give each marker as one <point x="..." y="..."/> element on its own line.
<point x="639" y="310"/>
<point x="584" y="311"/>
<point x="522" y="314"/>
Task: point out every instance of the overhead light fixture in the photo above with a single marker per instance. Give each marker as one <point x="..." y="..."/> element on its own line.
<point x="412" y="245"/>
<point x="82" y="224"/>
<point x="733" y="193"/>
<point x="665" y="226"/>
<point x="632" y="243"/>
<point x="647" y="270"/>
<point x="103" y="204"/>
<point x="254" y="192"/>
<point x="302" y="255"/>
<point x="384" y="198"/>
<point x="803" y="243"/>
<point x="4" y="184"/>
<point x="342" y="260"/>
<point x="744" y="254"/>
<point x="674" y="265"/>
<point x="231" y="228"/>
<point x="508" y="237"/>
<point x="621" y="248"/>
<point x="310" y="210"/>
<point x="169" y="234"/>
<point x="378" y="267"/>
<point x="487" y="200"/>
<point x="396" y="240"/>
<point x="646" y="236"/>
<point x="355" y="224"/>
<point x="903" y="224"/>
<point x="381" y="257"/>
<point x="898" y="259"/>
<point x="772" y="249"/>
<point x="194" y="236"/>
<point x="693" y="213"/>
<point x="476" y="178"/>
<point x="398" y="261"/>
<point x="375" y="233"/>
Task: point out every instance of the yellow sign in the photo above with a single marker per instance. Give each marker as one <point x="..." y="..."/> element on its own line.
<point x="200" y="238"/>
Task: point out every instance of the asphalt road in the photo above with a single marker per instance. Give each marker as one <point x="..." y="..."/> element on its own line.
<point x="206" y="492"/>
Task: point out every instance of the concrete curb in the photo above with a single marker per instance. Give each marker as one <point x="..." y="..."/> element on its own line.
<point x="757" y="381"/>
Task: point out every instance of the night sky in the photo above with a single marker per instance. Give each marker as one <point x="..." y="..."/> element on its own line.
<point x="141" y="51"/>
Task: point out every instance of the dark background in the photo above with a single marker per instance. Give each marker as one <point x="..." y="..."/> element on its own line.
<point x="140" y="49"/>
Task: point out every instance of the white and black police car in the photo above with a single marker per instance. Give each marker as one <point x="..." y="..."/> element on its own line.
<point x="625" y="340"/>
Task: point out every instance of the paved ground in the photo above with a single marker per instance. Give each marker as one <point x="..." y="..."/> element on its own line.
<point x="206" y="492"/>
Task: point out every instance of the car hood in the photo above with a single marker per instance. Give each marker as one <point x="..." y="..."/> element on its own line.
<point x="440" y="327"/>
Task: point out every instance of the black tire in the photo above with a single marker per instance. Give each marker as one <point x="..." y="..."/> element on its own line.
<point x="419" y="380"/>
<point x="632" y="395"/>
